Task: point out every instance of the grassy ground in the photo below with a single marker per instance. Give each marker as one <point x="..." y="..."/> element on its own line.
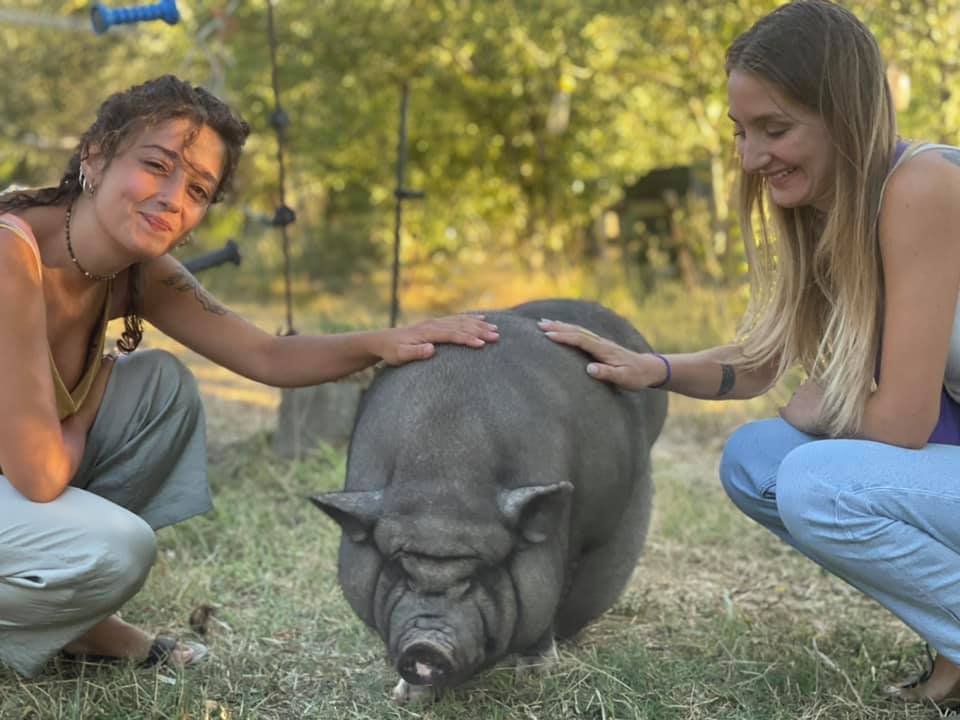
<point x="719" y="621"/>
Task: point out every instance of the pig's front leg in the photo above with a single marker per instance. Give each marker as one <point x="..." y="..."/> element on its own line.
<point x="406" y="694"/>
<point x="539" y="658"/>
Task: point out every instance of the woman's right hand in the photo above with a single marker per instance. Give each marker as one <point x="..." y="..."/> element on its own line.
<point x="401" y="345"/>
<point x="615" y="363"/>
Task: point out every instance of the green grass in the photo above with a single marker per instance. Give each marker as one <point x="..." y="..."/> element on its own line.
<point x="720" y="620"/>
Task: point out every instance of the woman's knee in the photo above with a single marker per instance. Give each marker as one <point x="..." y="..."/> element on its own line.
<point x="122" y="550"/>
<point x="86" y="558"/>
<point x="809" y="483"/>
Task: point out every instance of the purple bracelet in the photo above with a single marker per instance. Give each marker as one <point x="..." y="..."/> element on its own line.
<point x="669" y="371"/>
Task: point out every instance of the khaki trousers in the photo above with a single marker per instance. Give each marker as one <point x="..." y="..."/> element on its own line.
<point x="68" y="564"/>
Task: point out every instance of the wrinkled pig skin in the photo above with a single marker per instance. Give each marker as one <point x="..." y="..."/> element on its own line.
<point x="494" y="498"/>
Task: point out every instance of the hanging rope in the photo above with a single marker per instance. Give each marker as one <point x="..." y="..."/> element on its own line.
<point x="283" y="215"/>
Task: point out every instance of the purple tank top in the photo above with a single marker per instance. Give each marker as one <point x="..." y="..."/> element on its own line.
<point x="947" y="429"/>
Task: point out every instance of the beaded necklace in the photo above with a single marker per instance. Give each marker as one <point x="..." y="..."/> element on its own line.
<point x="86" y="273"/>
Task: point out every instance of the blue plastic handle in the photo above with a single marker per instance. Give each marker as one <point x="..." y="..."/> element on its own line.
<point x="103" y="17"/>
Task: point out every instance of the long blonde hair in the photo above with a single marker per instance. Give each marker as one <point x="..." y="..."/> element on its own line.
<point x="817" y="279"/>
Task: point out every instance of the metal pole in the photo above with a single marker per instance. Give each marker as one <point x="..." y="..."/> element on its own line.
<point x="401" y="167"/>
<point x="280" y="121"/>
<point x="401" y="193"/>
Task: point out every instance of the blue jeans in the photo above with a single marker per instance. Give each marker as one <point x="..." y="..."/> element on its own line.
<point x="883" y="518"/>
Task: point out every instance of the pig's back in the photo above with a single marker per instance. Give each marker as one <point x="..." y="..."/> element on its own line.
<point x="522" y="411"/>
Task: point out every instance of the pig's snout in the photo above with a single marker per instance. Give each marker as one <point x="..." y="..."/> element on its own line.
<point x="425" y="663"/>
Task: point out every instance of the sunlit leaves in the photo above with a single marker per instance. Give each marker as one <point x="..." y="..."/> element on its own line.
<point x="527" y="117"/>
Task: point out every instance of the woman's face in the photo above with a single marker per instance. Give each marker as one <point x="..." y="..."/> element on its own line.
<point x="784" y="142"/>
<point x="159" y="186"/>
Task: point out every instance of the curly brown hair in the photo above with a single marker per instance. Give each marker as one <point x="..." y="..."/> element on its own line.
<point x="122" y="116"/>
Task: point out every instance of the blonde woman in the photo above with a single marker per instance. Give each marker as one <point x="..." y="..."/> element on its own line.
<point x="856" y="273"/>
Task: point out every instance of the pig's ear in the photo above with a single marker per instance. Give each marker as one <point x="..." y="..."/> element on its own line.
<point x="534" y="510"/>
<point x="355" y="512"/>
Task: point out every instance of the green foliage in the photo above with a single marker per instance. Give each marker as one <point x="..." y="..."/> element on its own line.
<point x="527" y="119"/>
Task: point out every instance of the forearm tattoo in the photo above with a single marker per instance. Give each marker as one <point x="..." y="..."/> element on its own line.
<point x="184" y="282"/>
<point x="728" y="378"/>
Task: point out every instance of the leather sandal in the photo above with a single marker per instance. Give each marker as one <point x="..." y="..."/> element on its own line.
<point x="897" y="689"/>
<point x="159" y="654"/>
<point x="163" y="646"/>
<point x="906" y="690"/>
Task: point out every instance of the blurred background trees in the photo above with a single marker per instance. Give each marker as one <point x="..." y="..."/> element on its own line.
<point x="565" y="146"/>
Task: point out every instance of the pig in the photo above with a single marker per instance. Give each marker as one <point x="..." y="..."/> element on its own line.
<point x="495" y="499"/>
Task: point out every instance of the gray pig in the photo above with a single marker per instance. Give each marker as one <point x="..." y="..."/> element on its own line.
<point x="495" y="499"/>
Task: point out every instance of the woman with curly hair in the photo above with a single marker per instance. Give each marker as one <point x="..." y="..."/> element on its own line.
<point x="98" y="452"/>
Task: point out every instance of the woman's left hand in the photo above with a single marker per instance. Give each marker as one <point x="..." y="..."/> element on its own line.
<point x="803" y="410"/>
<point x="416" y="342"/>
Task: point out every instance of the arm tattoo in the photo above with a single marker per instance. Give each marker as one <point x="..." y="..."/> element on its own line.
<point x="728" y="379"/>
<point x="184" y="282"/>
<point x="952" y="155"/>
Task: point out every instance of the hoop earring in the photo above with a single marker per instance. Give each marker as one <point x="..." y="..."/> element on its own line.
<point x="85" y="185"/>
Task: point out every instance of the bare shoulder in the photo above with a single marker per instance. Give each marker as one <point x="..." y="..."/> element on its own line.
<point x="919" y="232"/>
<point x="21" y="293"/>
<point x="947" y="154"/>
<point x="19" y="262"/>
<point x="923" y="195"/>
<point x="933" y="174"/>
<point x="158" y="269"/>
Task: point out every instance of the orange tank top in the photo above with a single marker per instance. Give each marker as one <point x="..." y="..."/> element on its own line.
<point x="68" y="401"/>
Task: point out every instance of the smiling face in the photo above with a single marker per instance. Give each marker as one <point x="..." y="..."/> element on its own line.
<point x="783" y="141"/>
<point x="157" y="188"/>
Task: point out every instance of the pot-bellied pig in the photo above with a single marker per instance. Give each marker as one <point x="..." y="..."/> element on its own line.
<point x="495" y="499"/>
